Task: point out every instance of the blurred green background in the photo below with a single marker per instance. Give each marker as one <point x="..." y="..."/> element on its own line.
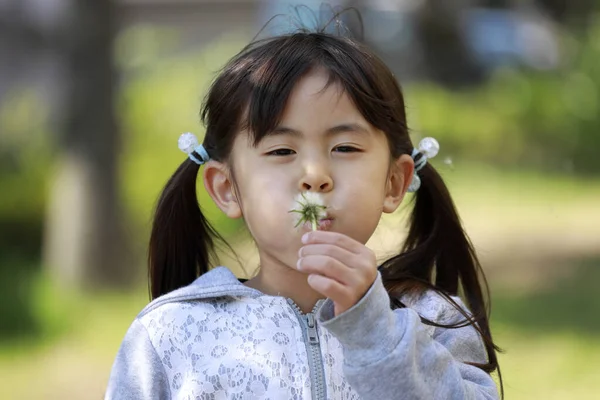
<point x="511" y="93"/>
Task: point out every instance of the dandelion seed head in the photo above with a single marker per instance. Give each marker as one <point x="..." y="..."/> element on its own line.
<point x="310" y="198"/>
<point x="309" y="207"/>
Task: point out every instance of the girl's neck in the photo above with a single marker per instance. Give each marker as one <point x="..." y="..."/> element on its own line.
<point x="275" y="279"/>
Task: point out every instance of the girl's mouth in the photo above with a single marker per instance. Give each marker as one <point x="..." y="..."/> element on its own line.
<point x="323" y="224"/>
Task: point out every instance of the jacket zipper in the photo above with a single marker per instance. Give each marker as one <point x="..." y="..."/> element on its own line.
<point x="313" y="349"/>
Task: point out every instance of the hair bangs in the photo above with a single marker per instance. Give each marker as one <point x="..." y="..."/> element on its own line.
<point x="274" y="74"/>
<point x="276" y="68"/>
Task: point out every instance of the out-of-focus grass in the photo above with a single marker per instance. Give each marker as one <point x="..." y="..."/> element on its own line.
<point x="548" y="365"/>
<point x="566" y="306"/>
<point x="483" y="193"/>
<point x="551" y="336"/>
<point x="80" y="337"/>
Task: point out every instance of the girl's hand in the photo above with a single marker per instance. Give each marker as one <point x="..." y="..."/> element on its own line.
<point x="339" y="267"/>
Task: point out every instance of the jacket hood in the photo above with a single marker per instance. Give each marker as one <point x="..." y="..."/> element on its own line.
<point x="217" y="282"/>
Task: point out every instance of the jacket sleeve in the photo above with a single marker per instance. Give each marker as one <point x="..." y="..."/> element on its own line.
<point x="390" y="354"/>
<point x="137" y="372"/>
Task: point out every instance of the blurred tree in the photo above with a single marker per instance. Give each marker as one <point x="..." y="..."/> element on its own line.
<point x="445" y="54"/>
<point x="419" y="39"/>
<point x="573" y="13"/>
<point x="85" y="241"/>
<point x="20" y="230"/>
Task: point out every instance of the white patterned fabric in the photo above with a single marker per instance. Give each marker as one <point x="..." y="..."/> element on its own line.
<point x="244" y="348"/>
<point x="240" y="348"/>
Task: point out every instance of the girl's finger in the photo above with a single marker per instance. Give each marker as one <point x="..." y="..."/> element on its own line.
<point x="342" y="255"/>
<point x="334" y="238"/>
<point x="338" y="293"/>
<point x="328" y="267"/>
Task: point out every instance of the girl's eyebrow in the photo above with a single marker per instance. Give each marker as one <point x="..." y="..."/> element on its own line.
<point x="349" y="127"/>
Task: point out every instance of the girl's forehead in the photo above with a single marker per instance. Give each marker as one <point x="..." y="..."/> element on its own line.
<point x="318" y="95"/>
<point x="315" y="83"/>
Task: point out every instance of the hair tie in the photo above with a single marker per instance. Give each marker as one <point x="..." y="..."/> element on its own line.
<point x="188" y="143"/>
<point x="428" y="148"/>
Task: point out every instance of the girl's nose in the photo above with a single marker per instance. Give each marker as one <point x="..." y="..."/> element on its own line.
<point x="316" y="180"/>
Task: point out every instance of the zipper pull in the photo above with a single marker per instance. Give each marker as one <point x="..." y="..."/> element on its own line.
<point x="311" y="329"/>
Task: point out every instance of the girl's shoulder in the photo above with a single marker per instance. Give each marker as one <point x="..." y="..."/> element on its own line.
<point x="218" y="283"/>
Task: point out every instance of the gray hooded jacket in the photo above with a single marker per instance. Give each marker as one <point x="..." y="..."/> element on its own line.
<point x="218" y="339"/>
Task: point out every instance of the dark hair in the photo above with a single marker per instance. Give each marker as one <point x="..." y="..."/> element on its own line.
<point x="251" y="92"/>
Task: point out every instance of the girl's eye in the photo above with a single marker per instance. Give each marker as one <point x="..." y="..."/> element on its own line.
<point x="281" y="152"/>
<point x="346" y="149"/>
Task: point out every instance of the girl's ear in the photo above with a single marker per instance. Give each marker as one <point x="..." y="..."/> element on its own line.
<point x="218" y="184"/>
<point x="399" y="179"/>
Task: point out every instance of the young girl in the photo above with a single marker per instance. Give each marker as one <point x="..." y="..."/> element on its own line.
<point x="316" y="116"/>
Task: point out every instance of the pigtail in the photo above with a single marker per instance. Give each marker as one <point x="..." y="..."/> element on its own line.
<point x="438" y="255"/>
<point x="436" y="239"/>
<point x="182" y="239"/>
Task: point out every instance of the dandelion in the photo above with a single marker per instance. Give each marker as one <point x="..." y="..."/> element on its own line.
<point x="310" y="208"/>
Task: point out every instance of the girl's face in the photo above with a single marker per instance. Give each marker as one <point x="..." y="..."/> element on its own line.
<point x="323" y="144"/>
